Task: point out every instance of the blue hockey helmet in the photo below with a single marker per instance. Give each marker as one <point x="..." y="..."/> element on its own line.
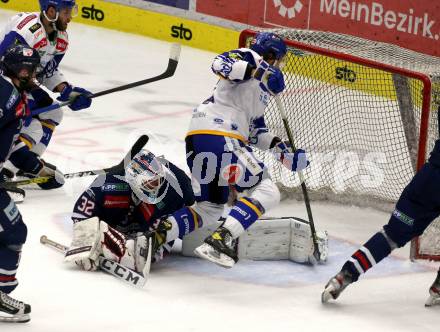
<point x="57" y="4"/>
<point x="18" y="58"/>
<point x="146" y="175"/>
<point x="269" y="45"/>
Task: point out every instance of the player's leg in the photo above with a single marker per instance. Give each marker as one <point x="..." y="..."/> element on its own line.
<point x="12" y="236"/>
<point x="244" y="172"/>
<point x="416" y="208"/>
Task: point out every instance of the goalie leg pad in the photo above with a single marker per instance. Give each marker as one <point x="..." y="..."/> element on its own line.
<point x="301" y="248"/>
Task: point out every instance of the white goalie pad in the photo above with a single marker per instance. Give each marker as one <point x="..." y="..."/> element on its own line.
<point x="269" y="239"/>
<point x="85" y="241"/>
<point x="301" y="247"/>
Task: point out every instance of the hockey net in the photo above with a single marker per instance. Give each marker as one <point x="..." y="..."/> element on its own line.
<point x="366" y="113"/>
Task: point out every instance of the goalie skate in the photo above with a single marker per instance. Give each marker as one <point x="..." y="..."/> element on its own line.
<point x="12" y="310"/>
<point x="336" y="286"/>
<point x="219" y="248"/>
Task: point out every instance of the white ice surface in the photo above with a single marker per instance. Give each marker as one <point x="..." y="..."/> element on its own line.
<point x="188" y="294"/>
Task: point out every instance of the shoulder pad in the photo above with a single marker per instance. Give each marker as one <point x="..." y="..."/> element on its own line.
<point x="27" y="20"/>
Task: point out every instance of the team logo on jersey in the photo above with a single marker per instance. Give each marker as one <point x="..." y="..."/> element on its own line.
<point x="26" y="21"/>
<point x="12" y="99"/>
<point x="122" y="202"/>
<point x="11" y="212"/>
<point x="42" y="43"/>
<point x="35" y="27"/>
<point x="232" y="173"/>
<point x="115" y="187"/>
<point x="61" y="45"/>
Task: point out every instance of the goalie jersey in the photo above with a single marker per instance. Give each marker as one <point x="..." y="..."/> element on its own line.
<point x="27" y="29"/>
<point x="111" y="199"/>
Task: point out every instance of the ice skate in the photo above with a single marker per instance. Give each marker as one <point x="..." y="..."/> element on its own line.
<point x="12" y="310"/>
<point x="219" y="248"/>
<point x="336" y="286"/>
<point x="434" y="293"/>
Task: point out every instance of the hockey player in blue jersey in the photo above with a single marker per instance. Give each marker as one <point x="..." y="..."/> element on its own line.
<point x="130" y="206"/>
<point x="45" y="32"/>
<point x="18" y="67"/>
<point x="417" y="207"/>
<point x="218" y="144"/>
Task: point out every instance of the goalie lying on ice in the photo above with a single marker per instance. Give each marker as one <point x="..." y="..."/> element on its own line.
<point x="118" y="212"/>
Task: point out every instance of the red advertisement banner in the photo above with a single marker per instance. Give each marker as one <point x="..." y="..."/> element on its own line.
<point x="412" y="24"/>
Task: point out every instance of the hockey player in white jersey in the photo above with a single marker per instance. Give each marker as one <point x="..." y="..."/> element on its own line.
<point x="45" y="32"/>
<point x="218" y="144"/>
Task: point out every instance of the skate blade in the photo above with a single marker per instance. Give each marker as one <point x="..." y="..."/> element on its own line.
<point x="432" y="301"/>
<point x="15" y="318"/>
<point x="207" y="252"/>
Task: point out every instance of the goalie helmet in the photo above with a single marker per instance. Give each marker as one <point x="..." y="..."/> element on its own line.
<point x="146" y="175"/>
<point x="20" y="62"/>
<point x="269" y="46"/>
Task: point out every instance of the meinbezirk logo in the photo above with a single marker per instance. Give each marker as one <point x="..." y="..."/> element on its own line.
<point x="179" y="31"/>
<point x="92" y="13"/>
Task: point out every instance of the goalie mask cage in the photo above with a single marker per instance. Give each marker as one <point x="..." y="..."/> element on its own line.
<point x="366" y="113"/>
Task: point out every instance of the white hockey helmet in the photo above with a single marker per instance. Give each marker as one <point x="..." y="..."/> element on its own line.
<point x="145" y="174"/>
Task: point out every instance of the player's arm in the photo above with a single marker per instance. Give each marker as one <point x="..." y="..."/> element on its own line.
<point x="87" y="205"/>
<point x="11" y="38"/>
<point x="236" y="65"/>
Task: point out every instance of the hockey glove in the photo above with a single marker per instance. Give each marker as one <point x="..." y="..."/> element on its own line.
<point x="43" y="169"/>
<point x="78" y="96"/>
<point x="271" y="78"/>
<point x="295" y="161"/>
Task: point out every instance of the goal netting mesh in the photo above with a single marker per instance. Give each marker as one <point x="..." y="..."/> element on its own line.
<point x="366" y="113"/>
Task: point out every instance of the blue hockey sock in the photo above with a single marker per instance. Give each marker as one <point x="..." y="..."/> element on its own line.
<point x="8" y="268"/>
<point x="371" y="253"/>
<point x="242" y="215"/>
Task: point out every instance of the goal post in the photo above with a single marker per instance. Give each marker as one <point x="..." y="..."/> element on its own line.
<point x="365" y="111"/>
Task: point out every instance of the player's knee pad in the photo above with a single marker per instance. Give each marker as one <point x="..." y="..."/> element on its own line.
<point x="266" y="193"/>
<point x="32" y="133"/>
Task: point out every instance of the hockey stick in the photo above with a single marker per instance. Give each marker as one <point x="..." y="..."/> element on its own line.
<point x="137" y="146"/>
<point x="316" y="252"/>
<point x="169" y="71"/>
<point x="114" y="268"/>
